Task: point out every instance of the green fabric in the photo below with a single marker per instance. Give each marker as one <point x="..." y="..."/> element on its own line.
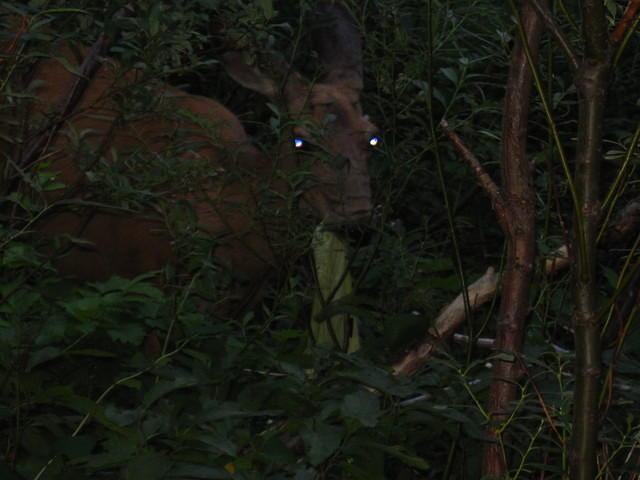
<point x="334" y="283"/>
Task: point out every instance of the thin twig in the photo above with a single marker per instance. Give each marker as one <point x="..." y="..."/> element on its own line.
<point x="90" y="65"/>
<point x="485" y="180"/>
<point x="552" y="25"/>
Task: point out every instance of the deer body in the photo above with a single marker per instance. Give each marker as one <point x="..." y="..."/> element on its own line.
<point x="125" y="244"/>
<point x="238" y="176"/>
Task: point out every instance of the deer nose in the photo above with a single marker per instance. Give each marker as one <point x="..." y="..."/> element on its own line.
<point x="360" y="208"/>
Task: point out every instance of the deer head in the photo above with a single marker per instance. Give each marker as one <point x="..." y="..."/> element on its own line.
<point x="330" y="126"/>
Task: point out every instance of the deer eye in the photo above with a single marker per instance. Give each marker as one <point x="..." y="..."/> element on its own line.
<point x="374" y="141"/>
<point x="298" y="142"/>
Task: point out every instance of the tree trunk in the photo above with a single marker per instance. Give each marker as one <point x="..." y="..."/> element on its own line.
<point x="519" y="227"/>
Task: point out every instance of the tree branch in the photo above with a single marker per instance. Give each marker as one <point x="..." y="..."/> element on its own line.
<point x="591" y="83"/>
<point x="485" y="180"/>
<point x="554" y="28"/>
<point x="519" y="195"/>
<point x="633" y="8"/>
<point x="449" y="319"/>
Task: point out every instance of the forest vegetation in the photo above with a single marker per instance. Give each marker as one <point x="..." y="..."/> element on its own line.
<point x="482" y="323"/>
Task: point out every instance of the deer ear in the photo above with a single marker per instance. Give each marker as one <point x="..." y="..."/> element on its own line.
<point x="248" y="76"/>
<point x="337" y="39"/>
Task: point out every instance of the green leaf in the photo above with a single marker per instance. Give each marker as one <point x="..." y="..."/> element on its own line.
<point x="92" y="352"/>
<point x="129" y="333"/>
<point x="399" y="452"/>
<point x="84" y="309"/>
<point x="322" y="442"/>
<point x="211" y="4"/>
<point x="43" y="355"/>
<point x="304" y="474"/>
<point x="380" y="379"/>
<point x="122" y="417"/>
<point x="611" y="276"/>
<point x="62" y="10"/>
<point x="154" y="20"/>
<point x="451" y="414"/>
<point x="612" y="7"/>
<point x="75" y="447"/>
<point x="52" y="186"/>
<point x="504" y="356"/>
<point x="64" y="396"/>
<point x="69" y="66"/>
<point x="34" y="440"/>
<point x="117" y="451"/>
<point x="277" y="452"/>
<point x="162" y="388"/>
<point x="450" y="73"/>
<point x="215" y="411"/>
<point x="138" y="285"/>
<point x="194" y="471"/>
<point x="364" y="406"/>
<point x="267" y="8"/>
<point x="148" y="466"/>
<point x="18" y="254"/>
<point x="8" y="474"/>
<point x="219" y="442"/>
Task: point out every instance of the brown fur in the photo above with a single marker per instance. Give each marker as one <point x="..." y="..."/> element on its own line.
<point x="225" y="203"/>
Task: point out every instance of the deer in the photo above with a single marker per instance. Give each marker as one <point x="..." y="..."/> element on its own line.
<point x="326" y="117"/>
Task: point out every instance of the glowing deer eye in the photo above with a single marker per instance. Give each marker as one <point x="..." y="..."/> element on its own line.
<point x="374" y="141"/>
<point x="298" y="142"/>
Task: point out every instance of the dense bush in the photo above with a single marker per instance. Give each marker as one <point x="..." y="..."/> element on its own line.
<point x="133" y="378"/>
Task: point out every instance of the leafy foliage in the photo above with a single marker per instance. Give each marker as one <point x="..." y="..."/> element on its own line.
<point x="125" y="379"/>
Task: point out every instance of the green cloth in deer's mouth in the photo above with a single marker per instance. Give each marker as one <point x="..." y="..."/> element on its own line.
<point x="334" y="284"/>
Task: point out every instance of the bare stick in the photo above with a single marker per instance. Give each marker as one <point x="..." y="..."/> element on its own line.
<point x="547" y="16"/>
<point x="485" y="180"/>
<point x="449" y="319"/>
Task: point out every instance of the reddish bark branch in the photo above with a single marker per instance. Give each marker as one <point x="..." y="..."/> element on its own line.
<point x="633" y="8"/>
<point x="485" y="180"/>
<point x="485" y="288"/>
<point x="519" y="196"/>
